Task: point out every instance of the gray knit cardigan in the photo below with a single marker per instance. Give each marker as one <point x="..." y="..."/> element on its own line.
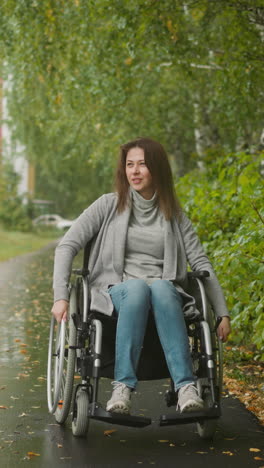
<point x="107" y="229"/>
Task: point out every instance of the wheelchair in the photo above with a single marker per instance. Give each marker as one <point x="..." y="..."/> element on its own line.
<point x="84" y="346"/>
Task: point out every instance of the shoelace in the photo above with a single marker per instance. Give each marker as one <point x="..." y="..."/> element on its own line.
<point x="185" y="389"/>
<point x="118" y="384"/>
<point x="188" y="388"/>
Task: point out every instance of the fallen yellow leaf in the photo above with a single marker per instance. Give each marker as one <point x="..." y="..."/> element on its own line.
<point x="33" y="454"/>
<point x="254" y="450"/>
<point x="109" y="432"/>
<point x="128" y="61"/>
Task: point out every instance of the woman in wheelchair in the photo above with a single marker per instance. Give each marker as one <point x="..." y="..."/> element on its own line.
<point x="142" y="243"/>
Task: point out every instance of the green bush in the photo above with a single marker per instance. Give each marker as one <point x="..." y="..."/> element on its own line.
<point x="13" y="212"/>
<point x="225" y="203"/>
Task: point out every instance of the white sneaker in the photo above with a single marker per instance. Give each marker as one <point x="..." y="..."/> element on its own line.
<point x="188" y="399"/>
<point x="120" y="399"/>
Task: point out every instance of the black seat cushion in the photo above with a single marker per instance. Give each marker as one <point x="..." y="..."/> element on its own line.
<point x="152" y="363"/>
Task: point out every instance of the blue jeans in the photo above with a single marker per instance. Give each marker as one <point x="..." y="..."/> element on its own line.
<point x="132" y="301"/>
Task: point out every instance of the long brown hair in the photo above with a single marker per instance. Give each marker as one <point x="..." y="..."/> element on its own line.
<point x="157" y="162"/>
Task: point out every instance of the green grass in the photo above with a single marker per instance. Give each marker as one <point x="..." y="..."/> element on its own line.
<point x="13" y="243"/>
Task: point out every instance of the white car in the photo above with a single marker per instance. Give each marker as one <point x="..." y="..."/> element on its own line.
<point x="53" y="220"/>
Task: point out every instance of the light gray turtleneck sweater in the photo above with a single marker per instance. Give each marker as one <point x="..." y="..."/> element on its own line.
<point x="144" y="254"/>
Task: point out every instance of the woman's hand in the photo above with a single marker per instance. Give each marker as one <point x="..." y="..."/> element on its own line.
<point x="60" y="309"/>
<point x="224" y="328"/>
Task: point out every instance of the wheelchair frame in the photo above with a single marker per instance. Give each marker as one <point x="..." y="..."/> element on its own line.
<point x="75" y="346"/>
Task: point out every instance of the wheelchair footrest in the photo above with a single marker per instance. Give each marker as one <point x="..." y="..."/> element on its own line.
<point x="98" y="413"/>
<point x="191" y="417"/>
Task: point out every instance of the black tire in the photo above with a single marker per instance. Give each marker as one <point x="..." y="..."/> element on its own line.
<point x="55" y="363"/>
<point x="80" y="420"/>
<point x="67" y="380"/>
<point x="217" y="346"/>
<point x="207" y="428"/>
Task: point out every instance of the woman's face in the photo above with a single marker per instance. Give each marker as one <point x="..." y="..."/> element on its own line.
<point x="138" y="175"/>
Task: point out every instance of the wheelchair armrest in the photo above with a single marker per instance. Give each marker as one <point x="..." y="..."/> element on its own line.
<point x="198" y="274"/>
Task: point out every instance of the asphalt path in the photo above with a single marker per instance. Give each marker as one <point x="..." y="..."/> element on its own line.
<point x="29" y="435"/>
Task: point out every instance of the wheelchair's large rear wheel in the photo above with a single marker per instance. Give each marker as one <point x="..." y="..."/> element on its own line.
<point x="61" y="363"/>
<point x="207" y="428"/>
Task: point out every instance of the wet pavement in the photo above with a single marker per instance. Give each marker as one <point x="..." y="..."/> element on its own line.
<point x="29" y="436"/>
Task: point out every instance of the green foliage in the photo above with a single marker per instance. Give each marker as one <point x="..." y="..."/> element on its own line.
<point x="13" y="213"/>
<point x="225" y="202"/>
<point x="89" y="75"/>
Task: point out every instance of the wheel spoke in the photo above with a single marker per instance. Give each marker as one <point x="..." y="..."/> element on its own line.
<point x="61" y="364"/>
